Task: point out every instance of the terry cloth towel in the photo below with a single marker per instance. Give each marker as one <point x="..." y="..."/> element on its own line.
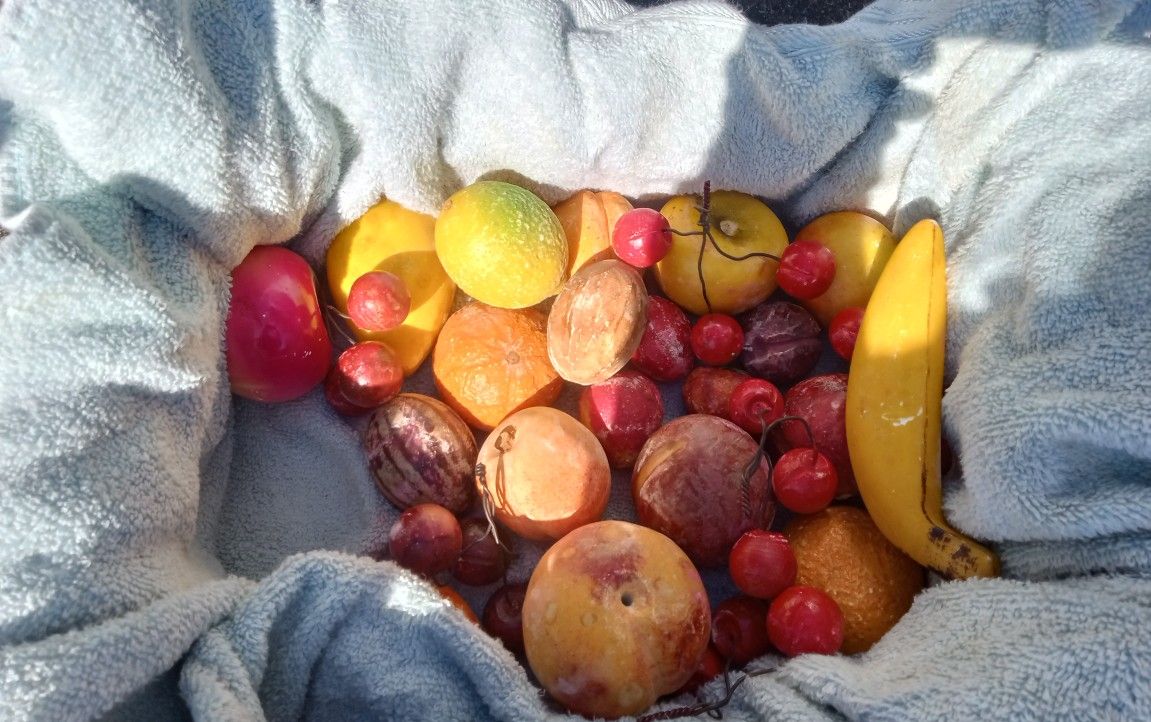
<point x="167" y="550"/>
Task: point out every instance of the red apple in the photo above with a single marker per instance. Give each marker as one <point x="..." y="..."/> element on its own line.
<point x="276" y="345"/>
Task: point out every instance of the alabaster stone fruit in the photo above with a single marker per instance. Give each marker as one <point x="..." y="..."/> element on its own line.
<point x="544" y="473"/>
<point x="689" y="484"/>
<point x="588" y="218"/>
<point x="597" y="322"/>
<point x="614" y="617"/>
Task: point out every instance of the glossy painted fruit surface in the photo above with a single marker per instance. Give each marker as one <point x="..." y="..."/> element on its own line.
<point x="545" y="473"/>
<point x="622" y="412"/>
<point x="782" y="342"/>
<point x="641" y="238"/>
<point x="805" y="620"/>
<point x="716" y="339"/>
<point x="806" y="269"/>
<point x="894" y="409"/>
<point x="861" y="246"/>
<point x="425" y="539"/>
<point x="368" y="373"/>
<point x="741" y="224"/>
<point x="708" y="390"/>
<point x="739" y="629"/>
<point x="804" y="480"/>
<point x="588" y="218"/>
<point x="490" y="362"/>
<point x="391" y="238"/>
<point x="843" y="331"/>
<point x="688" y="484"/>
<point x="501" y="244"/>
<point x="379" y="301"/>
<point x="755" y="405"/>
<point x="762" y="563"/>
<point x="503" y="616"/>
<point x="664" y="351"/>
<point x="615" y="616"/>
<point x="419" y="450"/>
<point x="482" y="560"/>
<point x="275" y="341"/>
<point x="820" y="401"/>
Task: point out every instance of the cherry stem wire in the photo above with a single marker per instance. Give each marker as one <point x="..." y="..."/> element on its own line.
<point x="749" y="470"/>
<point x="706" y="237"/>
<point x="503" y="445"/>
<point x="711" y="709"/>
<point x="332" y="311"/>
<point x="761" y="454"/>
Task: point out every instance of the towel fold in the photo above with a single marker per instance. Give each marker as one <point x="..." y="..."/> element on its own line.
<point x="169" y="549"/>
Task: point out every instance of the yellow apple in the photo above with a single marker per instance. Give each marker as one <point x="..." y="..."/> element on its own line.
<point x="741" y="224"/>
<point x="861" y="246"/>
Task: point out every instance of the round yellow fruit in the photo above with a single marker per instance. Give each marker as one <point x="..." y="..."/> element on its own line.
<point x="861" y="246"/>
<point x="502" y="244"/>
<point x="741" y="224"/>
<point x="392" y="238"/>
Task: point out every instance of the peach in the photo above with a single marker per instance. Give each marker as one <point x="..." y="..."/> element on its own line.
<point x="588" y="218"/>
<point x="861" y="246"/>
<point x="545" y="472"/>
<point x="615" y="616"/>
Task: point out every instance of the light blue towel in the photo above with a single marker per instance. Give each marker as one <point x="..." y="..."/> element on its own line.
<point x="160" y="541"/>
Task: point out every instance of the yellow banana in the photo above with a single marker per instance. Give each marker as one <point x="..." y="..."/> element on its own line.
<point x="894" y="407"/>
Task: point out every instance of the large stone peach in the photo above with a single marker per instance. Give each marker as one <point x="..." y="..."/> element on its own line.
<point x="614" y="617"/>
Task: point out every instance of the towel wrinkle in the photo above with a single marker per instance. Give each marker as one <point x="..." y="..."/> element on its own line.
<point x="174" y="548"/>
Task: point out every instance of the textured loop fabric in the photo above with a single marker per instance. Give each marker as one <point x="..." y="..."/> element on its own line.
<point x="168" y="550"/>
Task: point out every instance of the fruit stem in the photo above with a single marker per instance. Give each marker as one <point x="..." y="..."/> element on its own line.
<point x="712" y="709"/>
<point x="503" y="445"/>
<point x="333" y="311"/>
<point x="727" y="227"/>
<point x="749" y="470"/>
<point x="705" y="227"/>
<point x="488" y="505"/>
<point x="800" y="419"/>
<point x="761" y="454"/>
